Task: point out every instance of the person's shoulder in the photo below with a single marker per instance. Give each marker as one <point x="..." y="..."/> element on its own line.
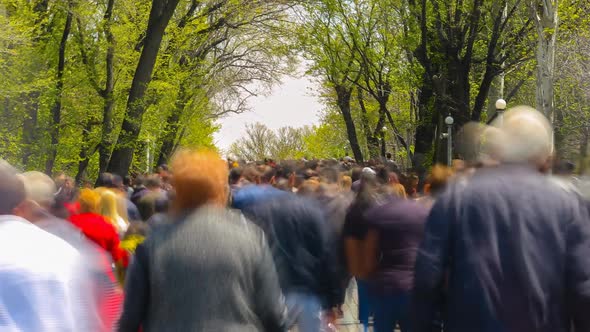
<point x="27" y="237"/>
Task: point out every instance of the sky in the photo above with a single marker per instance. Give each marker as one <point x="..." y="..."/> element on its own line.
<point x="292" y="103"/>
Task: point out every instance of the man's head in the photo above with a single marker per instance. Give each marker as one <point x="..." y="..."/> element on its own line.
<point x="388" y="155"/>
<point x="39" y="188"/>
<point x="199" y="178"/>
<point x="329" y="175"/>
<point x="12" y="190"/>
<point x="153" y="182"/>
<point x="528" y="137"/>
<point x="235" y="175"/>
<point x="491" y="144"/>
<point x="268" y="175"/>
<point x="40" y="195"/>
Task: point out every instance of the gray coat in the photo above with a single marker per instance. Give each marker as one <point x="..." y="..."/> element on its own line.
<point x="211" y="271"/>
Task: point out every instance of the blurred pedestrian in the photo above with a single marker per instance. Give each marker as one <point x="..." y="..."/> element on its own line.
<point x="104" y="294"/>
<point x="301" y="242"/>
<point x="41" y="276"/>
<point x="209" y="270"/>
<point x="510" y="248"/>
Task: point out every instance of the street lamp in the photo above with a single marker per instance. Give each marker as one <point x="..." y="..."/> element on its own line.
<point x="449" y="136"/>
<point x="500" y="108"/>
<point x="383" y="145"/>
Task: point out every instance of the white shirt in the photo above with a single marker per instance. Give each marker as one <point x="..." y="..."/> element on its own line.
<point x="40" y="280"/>
<point x="123" y="226"/>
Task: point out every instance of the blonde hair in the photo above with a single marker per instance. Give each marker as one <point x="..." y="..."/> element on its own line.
<point x="346" y="182"/>
<point x="399" y="190"/>
<point x="109" y="207"/>
<point x="438" y="178"/>
<point x="89" y="201"/>
<point x="199" y="177"/>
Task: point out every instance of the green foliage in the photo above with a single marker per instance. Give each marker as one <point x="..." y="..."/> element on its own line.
<point x="211" y="56"/>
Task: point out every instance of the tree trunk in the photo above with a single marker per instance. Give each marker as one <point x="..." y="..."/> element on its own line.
<point x="29" y="137"/>
<point x="172" y="126"/>
<point x="399" y="138"/>
<point x="584" y="150"/>
<point x="383" y="145"/>
<point x="122" y="155"/>
<point x="106" y="142"/>
<point x="343" y="95"/>
<point x="425" y="131"/>
<point x="85" y="153"/>
<point x="558" y="134"/>
<point x="545" y="15"/>
<point x="372" y="141"/>
<point x="55" y="122"/>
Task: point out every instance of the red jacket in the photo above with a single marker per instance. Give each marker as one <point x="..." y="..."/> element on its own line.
<point x="99" y="230"/>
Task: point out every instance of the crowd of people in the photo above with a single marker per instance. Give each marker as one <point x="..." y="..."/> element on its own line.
<point x="207" y="244"/>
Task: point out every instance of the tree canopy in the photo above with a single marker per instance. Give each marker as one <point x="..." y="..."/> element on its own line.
<point x="91" y="86"/>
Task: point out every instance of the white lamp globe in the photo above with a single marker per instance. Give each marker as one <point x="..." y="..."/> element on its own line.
<point x="449" y="120"/>
<point x="500" y="104"/>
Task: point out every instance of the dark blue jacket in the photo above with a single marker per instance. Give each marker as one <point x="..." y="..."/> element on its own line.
<point x="512" y="250"/>
<point x="248" y="196"/>
<point x="301" y="242"/>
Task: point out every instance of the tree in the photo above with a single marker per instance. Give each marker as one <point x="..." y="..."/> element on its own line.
<point x="457" y="44"/>
<point x="236" y="50"/>
<point x="107" y="93"/>
<point x="256" y="145"/>
<point x="544" y="14"/>
<point x="122" y="155"/>
<point x="322" y="42"/>
<point x="288" y="143"/>
<point x="572" y="87"/>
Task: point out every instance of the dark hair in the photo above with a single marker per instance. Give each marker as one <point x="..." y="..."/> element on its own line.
<point x="284" y="172"/>
<point x="382" y="174"/>
<point x="12" y="190"/>
<point x="329" y="175"/>
<point x="235" y="175"/>
<point x="153" y="181"/>
<point x="105" y="180"/>
<point x="139" y="180"/>
<point x="127" y="180"/>
<point x="388" y="155"/>
<point x="268" y="175"/>
<point x="367" y="194"/>
<point x="356" y="174"/>
<point x="117" y="181"/>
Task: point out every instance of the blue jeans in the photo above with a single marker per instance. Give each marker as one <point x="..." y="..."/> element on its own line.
<point x="305" y="309"/>
<point x="365" y="309"/>
<point x="391" y="310"/>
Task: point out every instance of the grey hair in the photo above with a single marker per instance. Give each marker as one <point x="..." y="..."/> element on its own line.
<point x="527" y="137"/>
<point x="39" y="187"/>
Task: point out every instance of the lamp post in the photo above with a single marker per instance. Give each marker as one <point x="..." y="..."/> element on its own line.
<point x="449" y="136"/>
<point x="383" y="147"/>
<point x="500" y="108"/>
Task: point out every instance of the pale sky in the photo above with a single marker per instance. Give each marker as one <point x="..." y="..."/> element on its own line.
<point x="293" y="103"/>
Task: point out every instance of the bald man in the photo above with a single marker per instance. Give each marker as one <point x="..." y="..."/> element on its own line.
<point x="39" y="281"/>
<point x="509" y="249"/>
